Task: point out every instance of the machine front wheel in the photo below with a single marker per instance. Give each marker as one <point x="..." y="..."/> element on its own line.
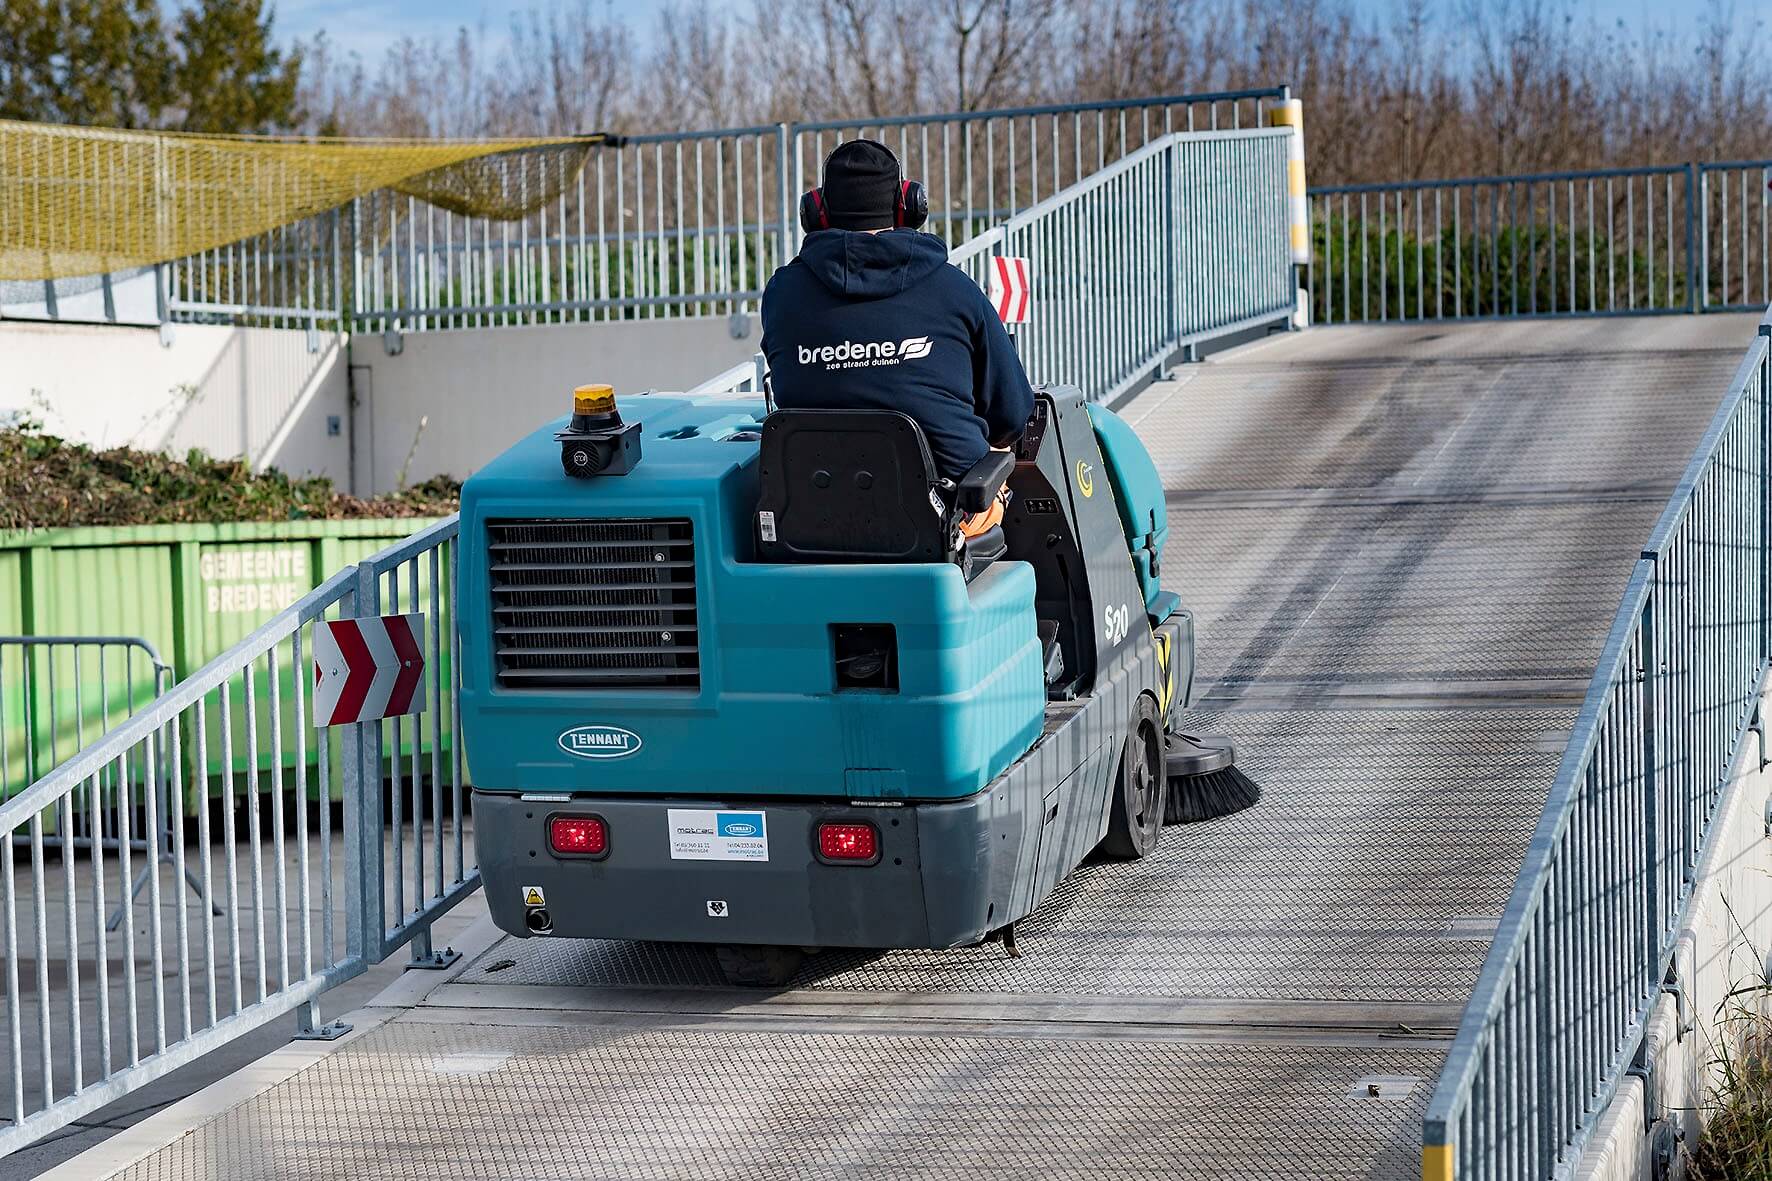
<point x="1139" y="788"/>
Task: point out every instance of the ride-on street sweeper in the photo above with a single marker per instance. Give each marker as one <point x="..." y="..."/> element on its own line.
<point x="752" y="687"/>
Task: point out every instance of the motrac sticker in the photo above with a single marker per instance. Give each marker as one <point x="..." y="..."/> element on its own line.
<point x="599" y="742"/>
<point x="702" y="834"/>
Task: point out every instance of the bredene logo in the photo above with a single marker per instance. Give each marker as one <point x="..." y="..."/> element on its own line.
<point x="599" y="742"/>
<point x="859" y="354"/>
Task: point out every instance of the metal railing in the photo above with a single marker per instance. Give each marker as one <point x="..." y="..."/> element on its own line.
<point x="983" y="167"/>
<point x="413" y="859"/>
<point x="289" y="277"/>
<point x="682" y="224"/>
<point x="746" y="377"/>
<point x="57" y="693"/>
<point x="1183" y="241"/>
<point x="233" y="769"/>
<point x="1550" y="244"/>
<point x="1735" y="204"/>
<point x="1586" y="943"/>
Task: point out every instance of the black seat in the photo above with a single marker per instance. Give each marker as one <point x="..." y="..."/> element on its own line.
<point x="860" y="486"/>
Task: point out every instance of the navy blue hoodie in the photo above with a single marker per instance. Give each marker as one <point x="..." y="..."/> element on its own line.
<point x="881" y="322"/>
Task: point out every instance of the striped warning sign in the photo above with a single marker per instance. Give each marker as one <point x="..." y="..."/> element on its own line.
<point x="1009" y="291"/>
<point x="366" y="669"/>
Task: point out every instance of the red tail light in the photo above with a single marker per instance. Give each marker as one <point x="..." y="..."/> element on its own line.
<point x="848" y="842"/>
<point x="578" y="836"/>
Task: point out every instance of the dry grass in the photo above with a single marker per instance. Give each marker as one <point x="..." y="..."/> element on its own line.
<point x="1737" y="1142"/>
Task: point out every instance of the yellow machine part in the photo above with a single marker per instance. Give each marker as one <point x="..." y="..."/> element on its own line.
<point x="82" y="200"/>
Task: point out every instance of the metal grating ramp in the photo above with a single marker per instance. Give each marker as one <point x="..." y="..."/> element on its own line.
<point x="1403" y="547"/>
<point x="426" y="1102"/>
<point x="1377" y="830"/>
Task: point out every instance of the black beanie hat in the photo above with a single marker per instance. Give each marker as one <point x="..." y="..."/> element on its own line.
<point x="861" y="180"/>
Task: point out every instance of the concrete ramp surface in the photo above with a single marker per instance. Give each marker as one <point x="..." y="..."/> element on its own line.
<point x="1404" y="546"/>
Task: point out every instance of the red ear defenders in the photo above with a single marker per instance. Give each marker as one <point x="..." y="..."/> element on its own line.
<point x="909" y="210"/>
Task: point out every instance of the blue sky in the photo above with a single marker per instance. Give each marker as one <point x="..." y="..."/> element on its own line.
<point x="369" y="27"/>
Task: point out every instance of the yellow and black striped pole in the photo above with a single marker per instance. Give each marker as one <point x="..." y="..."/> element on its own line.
<point x="1290" y="113"/>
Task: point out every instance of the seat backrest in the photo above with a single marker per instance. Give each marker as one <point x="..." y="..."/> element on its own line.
<point x="848" y="485"/>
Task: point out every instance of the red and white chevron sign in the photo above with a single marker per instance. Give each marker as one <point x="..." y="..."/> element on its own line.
<point x="366" y="669"/>
<point x="1009" y="289"/>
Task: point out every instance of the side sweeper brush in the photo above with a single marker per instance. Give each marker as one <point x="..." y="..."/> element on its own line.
<point x="1203" y="780"/>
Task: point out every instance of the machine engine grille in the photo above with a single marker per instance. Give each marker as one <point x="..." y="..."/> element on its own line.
<point x="594" y="604"/>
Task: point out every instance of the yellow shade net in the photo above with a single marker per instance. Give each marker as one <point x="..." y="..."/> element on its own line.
<point x="81" y="200"/>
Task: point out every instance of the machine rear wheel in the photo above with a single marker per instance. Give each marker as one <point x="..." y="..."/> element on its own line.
<point x="1139" y="788"/>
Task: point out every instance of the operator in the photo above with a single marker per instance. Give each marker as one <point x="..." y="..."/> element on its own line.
<point x="922" y="338"/>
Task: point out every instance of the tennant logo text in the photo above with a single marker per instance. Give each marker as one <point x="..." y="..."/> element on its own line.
<point x="860" y="354"/>
<point x="599" y="742"/>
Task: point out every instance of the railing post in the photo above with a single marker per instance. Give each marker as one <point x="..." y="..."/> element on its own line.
<point x="1170" y="222"/>
<point x="361" y="750"/>
<point x="1651" y="809"/>
<point x="1692" y="195"/>
<point x="785" y="132"/>
<point x="162" y="308"/>
<point x="1701" y="241"/>
<point x="1765" y="411"/>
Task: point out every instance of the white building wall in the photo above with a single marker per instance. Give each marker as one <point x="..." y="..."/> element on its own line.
<point x="446" y="401"/>
<point x="454" y="400"/>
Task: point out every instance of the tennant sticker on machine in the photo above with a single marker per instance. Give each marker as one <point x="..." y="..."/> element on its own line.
<point x="706" y="835"/>
<point x="599" y="742"/>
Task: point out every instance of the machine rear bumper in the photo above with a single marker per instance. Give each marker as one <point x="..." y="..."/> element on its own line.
<point x="946" y="872"/>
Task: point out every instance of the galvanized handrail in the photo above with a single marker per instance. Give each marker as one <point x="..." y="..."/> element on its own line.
<point x="1549" y="1033"/>
<point x="85" y="720"/>
<point x="374" y="754"/>
<point x="72" y="1077"/>
<point x="1143" y="260"/>
<point x="1202" y="98"/>
<point x="746" y="377"/>
<point x="1183" y="241"/>
<point x="1735" y="261"/>
<point x="1605" y="241"/>
<point x="677" y="224"/>
<point x="275" y="948"/>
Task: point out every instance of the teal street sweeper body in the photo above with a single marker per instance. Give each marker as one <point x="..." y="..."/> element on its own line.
<point x="751" y="686"/>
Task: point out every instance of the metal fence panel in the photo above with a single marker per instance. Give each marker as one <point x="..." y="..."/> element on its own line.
<point x="983" y="167"/>
<point x="1585" y="945"/>
<point x="113" y="1006"/>
<point x="1182" y="241"/>
<point x="1735" y="204"/>
<point x="1551" y="244"/>
<point x="653" y="226"/>
<point x="234" y="915"/>
<point x="418" y="855"/>
<point x="57" y="693"/>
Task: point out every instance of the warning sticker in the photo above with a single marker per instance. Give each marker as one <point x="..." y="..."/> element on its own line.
<point x="706" y="835"/>
<point x="532" y="896"/>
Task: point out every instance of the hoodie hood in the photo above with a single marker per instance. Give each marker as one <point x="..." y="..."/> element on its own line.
<point x="872" y="266"/>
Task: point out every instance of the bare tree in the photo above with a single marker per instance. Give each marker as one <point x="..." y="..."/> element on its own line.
<point x="1427" y="89"/>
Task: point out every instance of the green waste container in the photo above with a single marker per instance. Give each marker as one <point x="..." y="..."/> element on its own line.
<point x="190" y="591"/>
